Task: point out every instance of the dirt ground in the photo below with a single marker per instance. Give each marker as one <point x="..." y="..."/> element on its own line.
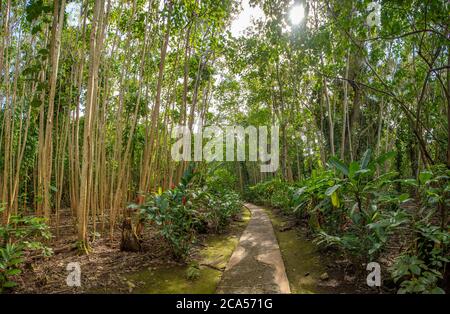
<point x="105" y="266"/>
<point x="105" y="269"/>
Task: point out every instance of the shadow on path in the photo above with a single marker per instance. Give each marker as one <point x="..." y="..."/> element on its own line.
<point x="256" y="265"/>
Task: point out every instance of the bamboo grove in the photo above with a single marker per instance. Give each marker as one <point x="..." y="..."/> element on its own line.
<point x="90" y="92"/>
<point x="88" y="104"/>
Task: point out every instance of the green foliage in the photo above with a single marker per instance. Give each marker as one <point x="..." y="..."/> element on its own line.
<point x="222" y="208"/>
<point x="193" y="271"/>
<point x="366" y="226"/>
<point x="376" y="214"/>
<point x="186" y="209"/>
<point x="311" y="197"/>
<point x="17" y="236"/>
<point x="358" y="209"/>
<point x="334" y="84"/>
<point x="221" y="180"/>
<point x="415" y="275"/>
<point x="10" y="260"/>
<point x="173" y="215"/>
<point x="275" y="192"/>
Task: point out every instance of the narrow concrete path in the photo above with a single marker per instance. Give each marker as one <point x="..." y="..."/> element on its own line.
<point x="256" y="266"/>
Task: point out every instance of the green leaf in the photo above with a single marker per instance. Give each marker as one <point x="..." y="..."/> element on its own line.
<point x="362" y="171"/>
<point x="332" y="189"/>
<point x="365" y="159"/>
<point x="354" y="214"/>
<point x="9" y="284"/>
<point x="437" y="290"/>
<point x="339" y="165"/>
<point x="36" y="102"/>
<point x="415" y="269"/>
<point x="335" y="199"/>
<point x="36" y="29"/>
<point x="384" y="157"/>
<point x="425" y="176"/>
<point x="43" y="51"/>
<point x="13" y="272"/>
<point x="411" y="182"/>
<point x="353" y="168"/>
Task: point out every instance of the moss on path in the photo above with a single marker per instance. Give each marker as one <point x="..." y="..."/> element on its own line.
<point x="302" y="261"/>
<point x="211" y="258"/>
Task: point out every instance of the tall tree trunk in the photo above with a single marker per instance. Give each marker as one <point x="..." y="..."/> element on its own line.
<point x="345" y="109"/>
<point x="86" y="169"/>
<point x="448" y="106"/>
<point x="145" y="175"/>
<point x="330" y="117"/>
<point x="58" y="20"/>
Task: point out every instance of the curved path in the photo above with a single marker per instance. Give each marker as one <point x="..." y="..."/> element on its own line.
<point x="256" y="266"/>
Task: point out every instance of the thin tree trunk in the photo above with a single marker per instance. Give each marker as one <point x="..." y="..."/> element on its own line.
<point x="345" y="109"/>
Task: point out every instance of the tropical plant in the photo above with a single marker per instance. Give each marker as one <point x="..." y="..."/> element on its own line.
<point x="19" y="235"/>
<point x="274" y="192"/>
<point x="171" y="212"/>
<point x="181" y="212"/>
<point x="415" y="275"/>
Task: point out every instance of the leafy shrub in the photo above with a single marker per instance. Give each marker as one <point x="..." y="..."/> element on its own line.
<point x="421" y="268"/>
<point x="18" y="235"/>
<point x="365" y="227"/>
<point x="173" y="216"/>
<point x="193" y="271"/>
<point x="275" y="193"/>
<point x="310" y="200"/>
<point x="415" y="275"/>
<point x="186" y="209"/>
<point x="357" y="209"/>
<point x="365" y="241"/>
<point x="221" y="180"/>
<point x="222" y="208"/>
<point x="433" y="186"/>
